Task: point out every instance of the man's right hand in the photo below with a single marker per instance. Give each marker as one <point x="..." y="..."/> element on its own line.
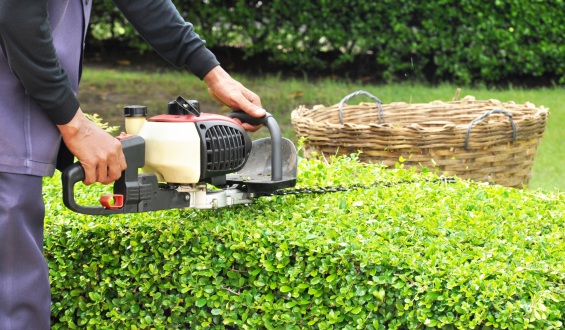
<point x="99" y="153"/>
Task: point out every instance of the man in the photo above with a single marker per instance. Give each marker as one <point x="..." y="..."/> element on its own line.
<point x="40" y="66"/>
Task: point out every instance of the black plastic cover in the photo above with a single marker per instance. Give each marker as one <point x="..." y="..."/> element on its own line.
<point x="225" y="148"/>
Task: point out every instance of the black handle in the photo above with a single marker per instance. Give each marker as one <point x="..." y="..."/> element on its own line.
<point x="134" y="151"/>
<point x="71" y="175"/>
<point x="276" y="137"/>
<point x="246" y="118"/>
<point x="136" y="192"/>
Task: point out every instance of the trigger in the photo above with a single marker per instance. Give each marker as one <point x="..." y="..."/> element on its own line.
<point x="118" y="201"/>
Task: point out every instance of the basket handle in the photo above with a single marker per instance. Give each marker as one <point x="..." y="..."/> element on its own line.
<point x="509" y="115"/>
<point x="378" y="102"/>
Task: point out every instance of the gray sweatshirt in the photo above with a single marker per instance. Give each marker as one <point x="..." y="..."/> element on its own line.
<point x="40" y="64"/>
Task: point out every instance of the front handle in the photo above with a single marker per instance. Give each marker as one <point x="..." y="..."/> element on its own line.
<point x="276" y="137"/>
<point x="247" y="118"/>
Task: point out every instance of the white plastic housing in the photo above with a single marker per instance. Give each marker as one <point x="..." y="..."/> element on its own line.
<point x="172" y="151"/>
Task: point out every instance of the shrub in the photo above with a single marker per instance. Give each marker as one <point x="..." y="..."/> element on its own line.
<point x="462" y="41"/>
<point x="410" y="252"/>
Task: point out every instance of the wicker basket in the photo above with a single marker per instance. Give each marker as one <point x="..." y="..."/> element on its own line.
<point x="488" y="141"/>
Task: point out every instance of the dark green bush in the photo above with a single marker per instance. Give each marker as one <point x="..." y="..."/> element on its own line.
<point x="463" y="41"/>
<point x="411" y="255"/>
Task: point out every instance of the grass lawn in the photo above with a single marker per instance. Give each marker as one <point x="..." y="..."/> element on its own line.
<point x="106" y="90"/>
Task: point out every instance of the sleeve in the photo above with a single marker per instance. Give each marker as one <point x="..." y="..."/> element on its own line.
<point x="161" y="25"/>
<point x="25" y="38"/>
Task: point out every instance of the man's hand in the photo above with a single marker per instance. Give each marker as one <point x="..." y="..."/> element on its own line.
<point x="99" y="153"/>
<point x="226" y="90"/>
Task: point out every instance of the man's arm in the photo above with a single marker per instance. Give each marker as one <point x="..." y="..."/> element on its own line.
<point x="25" y="38"/>
<point x="161" y="25"/>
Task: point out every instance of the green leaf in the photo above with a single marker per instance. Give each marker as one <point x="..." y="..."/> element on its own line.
<point x="285" y="288"/>
<point x="201" y="302"/>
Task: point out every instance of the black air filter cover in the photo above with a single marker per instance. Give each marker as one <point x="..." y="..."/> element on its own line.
<point x="225" y="148"/>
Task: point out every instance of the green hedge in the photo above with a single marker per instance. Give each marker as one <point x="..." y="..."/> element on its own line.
<point x="462" y="41"/>
<point x="411" y="255"/>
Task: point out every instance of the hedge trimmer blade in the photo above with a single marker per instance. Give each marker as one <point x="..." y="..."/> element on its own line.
<point x="334" y="189"/>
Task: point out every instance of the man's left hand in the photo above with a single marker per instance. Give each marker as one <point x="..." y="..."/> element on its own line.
<point x="226" y="90"/>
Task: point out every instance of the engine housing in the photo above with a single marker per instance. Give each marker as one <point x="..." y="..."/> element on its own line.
<point x="187" y="149"/>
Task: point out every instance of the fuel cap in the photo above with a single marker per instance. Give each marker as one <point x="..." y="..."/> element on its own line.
<point x="135" y="111"/>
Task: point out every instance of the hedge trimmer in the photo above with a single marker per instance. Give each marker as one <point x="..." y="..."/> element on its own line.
<point x="189" y="159"/>
<point x="182" y="153"/>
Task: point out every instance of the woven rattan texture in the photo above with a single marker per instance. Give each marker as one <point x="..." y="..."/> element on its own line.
<point x="432" y="135"/>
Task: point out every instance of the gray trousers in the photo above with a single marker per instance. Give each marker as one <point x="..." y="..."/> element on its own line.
<point x="25" y="295"/>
